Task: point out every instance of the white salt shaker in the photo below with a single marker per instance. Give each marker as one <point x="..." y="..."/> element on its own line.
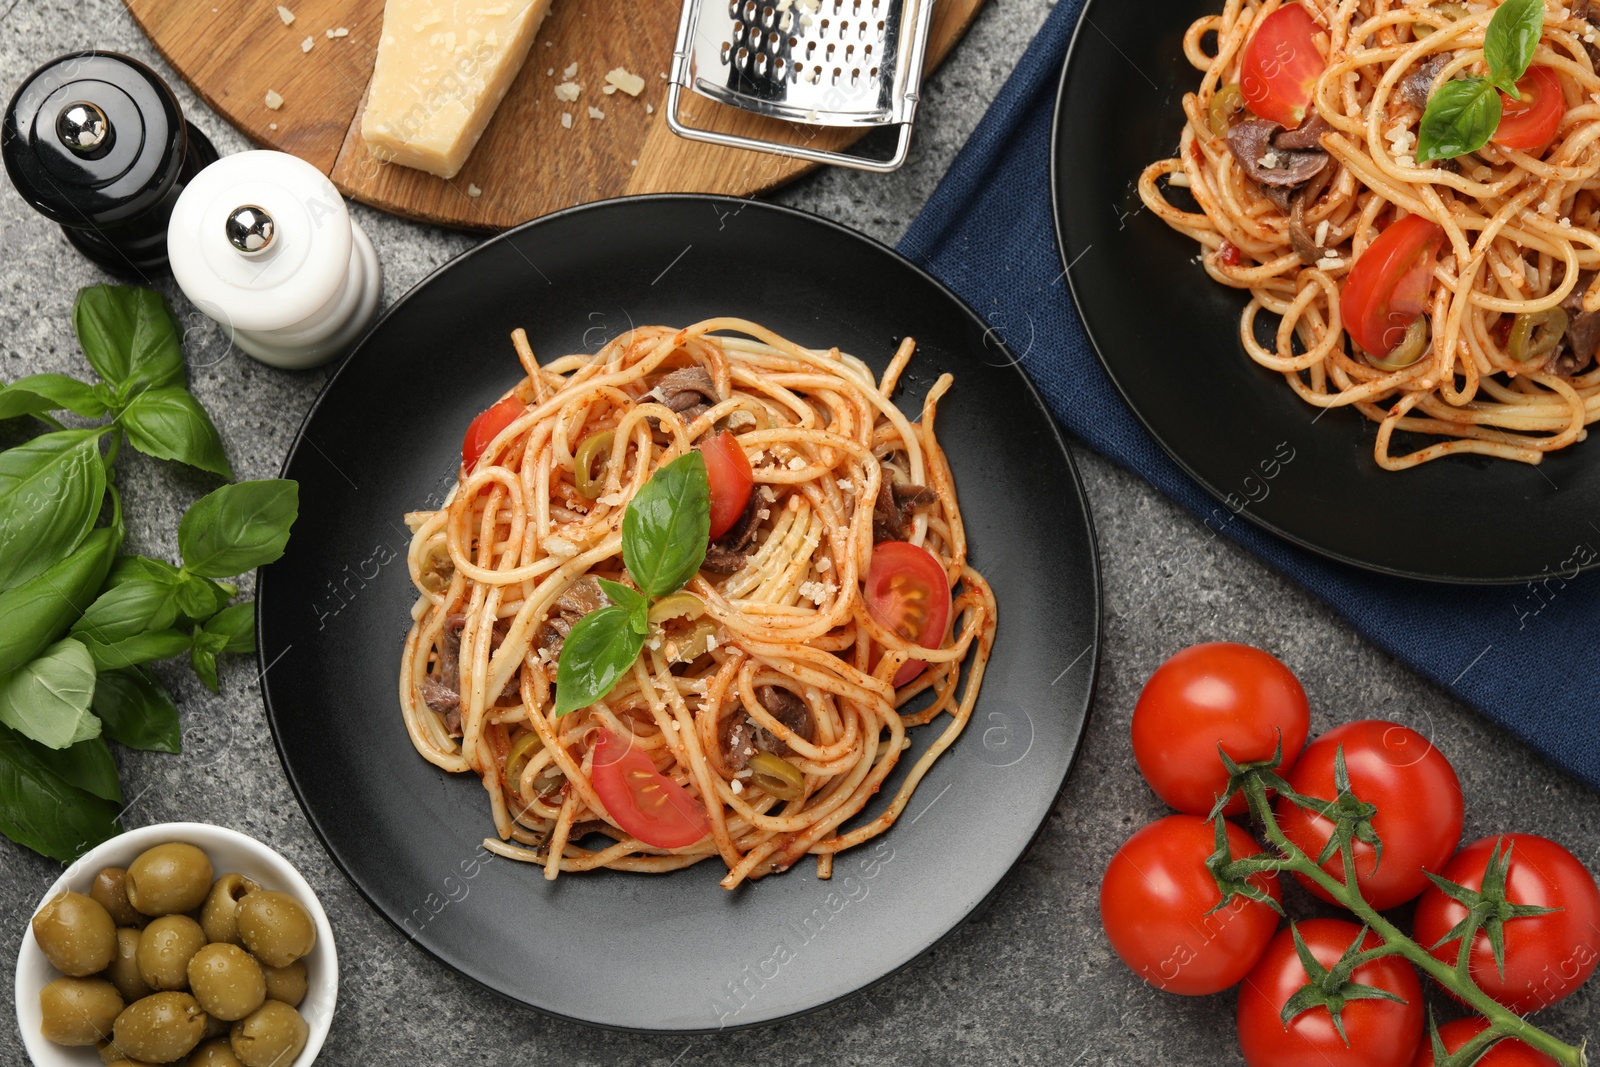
<point x="263" y="243"/>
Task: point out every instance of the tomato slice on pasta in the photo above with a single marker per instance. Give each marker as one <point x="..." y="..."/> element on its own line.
<point x="728" y="472"/>
<point x="1388" y="286"/>
<point x="1530" y="124"/>
<point x="486" y="427"/>
<point x="642" y="800"/>
<point x="1280" y="66"/>
<point x="908" y="592"/>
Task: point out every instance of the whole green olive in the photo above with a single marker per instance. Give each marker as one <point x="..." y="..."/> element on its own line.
<point x="110" y="891"/>
<point x="216" y="1053"/>
<point x="270" y="1036"/>
<point x="165" y="948"/>
<point x="219" y="915"/>
<point x="129" y="1063"/>
<point x="227" y="981"/>
<point x="275" y="927"/>
<point x="168" y="879"/>
<point x="287" y="984"/>
<point x="160" y="1028"/>
<point x="76" y="934"/>
<point x="78" y="1011"/>
<point x="124" y="967"/>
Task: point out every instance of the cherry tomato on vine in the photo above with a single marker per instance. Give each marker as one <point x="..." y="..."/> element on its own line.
<point x="1505" y="1053"/>
<point x="1547" y="956"/>
<point x="643" y="801"/>
<point x="1219" y="693"/>
<point x="1530" y="124"/>
<point x="1417" y="795"/>
<point x="1156" y="900"/>
<point x="1389" y="282"/>
<point x="728" y="473"/>
<point x="908" y="592"/>
<point x="1280" y="66"/>
<point x="486" y="427"/>
<point x="1382" y="1033"/>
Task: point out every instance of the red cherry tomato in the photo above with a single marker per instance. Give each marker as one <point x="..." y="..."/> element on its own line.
<point x="1547" y="956"/>
<point x="1382" y="1033"/>
<point x="1530" y="124"/>
<point x="1280" y="66"/>
<point x="643" y="801"/>
<point x="1418" y="799"/>
<point x="1388" y="286"/>
<point x="1506" y="1053"/>
<point x="1221" y="693"/>
<point x="728" y="472"/>
<point x="908" y="592"/>
<point x="1156" y="900"/>
<point x="486" y="427"/>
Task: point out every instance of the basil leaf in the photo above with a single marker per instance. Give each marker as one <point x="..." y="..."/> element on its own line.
<point x="136" y="710"/>
<point x="145" y="648"/>
<point x="198" y="599"/>
<point x="47" y="699"/>
<point x="51" y="489"/>
<point x="1460" y="118"/>
<point x="44" y="813"/>
<point x="170" y="424"/>
<point x="1510" y="40"/>
<point x="130" y="609"/>
<point x="203" y="659"/>
<point x="38" y="611"/>
<point x="239" y="527"/>
<point x="131" y="568"/>
<point x="39" y="393"/>
<point x="129" y="336"/>
<point x="87" y="765"/>
<point x="667" y="526"/>
<point x="234" y="628"/>
<point x="598" y="651"/>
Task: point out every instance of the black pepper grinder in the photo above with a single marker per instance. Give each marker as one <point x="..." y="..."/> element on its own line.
<point x="96" y="141"/>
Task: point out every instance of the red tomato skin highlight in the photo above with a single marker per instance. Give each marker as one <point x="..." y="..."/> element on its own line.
<point x="730" y="478"/>
<point x="1280" y="66"/>
<point x="1530" y="124"/>
<point x="625" y="778"/>
<point x="1547" y="956"/>
<point x="1382" y="1033"/>
<point x="1388" y="284"/>
<point x="1153" y="903"/>
<point x="1221" y="692"/>
<point x="486" y="427"/>
<point x="1420" y="808"/>
<point x="1507" y="1053"/>
<point x="900" y="569"/>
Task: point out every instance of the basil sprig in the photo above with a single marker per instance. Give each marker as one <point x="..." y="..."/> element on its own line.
<point x="664" y="536"/>
<point x="1465" y="112"/>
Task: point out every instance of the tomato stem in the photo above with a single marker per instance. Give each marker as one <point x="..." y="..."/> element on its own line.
<point x="1502" y="1021"/>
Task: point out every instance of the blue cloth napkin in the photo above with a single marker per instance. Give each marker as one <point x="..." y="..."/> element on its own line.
<point x="1527" y="656"/>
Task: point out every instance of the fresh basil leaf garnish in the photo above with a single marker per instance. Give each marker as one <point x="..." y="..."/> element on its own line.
<point x="130" y="609"/>
<point x="136" y="710"/>
<point x="144" y="648"/>
<point x="41" y="811"/>
<point x="596" y="654"/>
<point x="88" y="765"/>
<point x="1510" y="41"/>
<point x="51" y="489"/>
<point x="638" y="607"/>
<point x="1460" y="118"/>
<point x="130" y="337"/>
<point x="239" y="527"/>
<point x="666" y="528"/>
<point x="39" y="393"/>
<point x="37" y="612"/>
<point x="233" y="629"/>
<point x="170" y="424"/>
<point x="47" y="699"/>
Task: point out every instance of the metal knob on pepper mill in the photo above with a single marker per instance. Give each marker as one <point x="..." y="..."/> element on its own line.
<point x="96" y="141"/>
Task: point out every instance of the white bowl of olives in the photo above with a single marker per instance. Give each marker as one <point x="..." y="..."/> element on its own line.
<point x="172" y="941"/>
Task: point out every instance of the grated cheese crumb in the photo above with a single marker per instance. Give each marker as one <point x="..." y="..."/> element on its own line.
<point x="608" y="89"/>
<point x="550" y="73"/>
<point x="596" y="113"/>
<point x="611" y="500"/>
<point x="1566" y="223"/>
<point x="286" y="15"/>
<point x="272" y="125"/>
<point x="308" y="44"/>
<point x="626" y="80"/>
<point x="711" y="642"/>
<point x="560" y="546"/>
<point x="571" y="71"/>
<point x="473" y="191"/>
<point x="1322" y="233"/>
<point x="824" y="565"/>
<point x="566" y="120"/>
<point x="649" y="110"/>
<point x="567" y="92"/>
<point x="274" y="100"/>
<point x="737" y="787"/>
<point x="340" y="31"/>
<point x="675" y="725"/>
<point x="797" y="463"/>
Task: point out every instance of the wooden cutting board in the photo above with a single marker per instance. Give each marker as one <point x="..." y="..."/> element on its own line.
<point x="528" y="164"/>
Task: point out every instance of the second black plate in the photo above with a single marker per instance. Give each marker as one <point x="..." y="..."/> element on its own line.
<point x="1169" y="337"/>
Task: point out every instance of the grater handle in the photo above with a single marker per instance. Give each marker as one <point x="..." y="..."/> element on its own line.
<point x="779" y="148"/>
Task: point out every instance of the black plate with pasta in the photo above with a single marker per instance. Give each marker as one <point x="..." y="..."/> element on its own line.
<point x="1418" y="496"/>
<point x="638" y="936"/>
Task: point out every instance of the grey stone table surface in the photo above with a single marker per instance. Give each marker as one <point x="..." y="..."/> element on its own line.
<point x="1030" y="982"/>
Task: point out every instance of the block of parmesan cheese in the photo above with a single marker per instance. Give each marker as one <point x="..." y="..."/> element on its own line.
<point x="443" y="68"/>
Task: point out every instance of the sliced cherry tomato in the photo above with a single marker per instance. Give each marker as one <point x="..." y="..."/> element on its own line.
<point x="728" y="471"/>
<point x="1508" y="1052"/>
<point x="486" y="427"/>
<point x="1228" y="254"/>
<point x="1388" y="286"/>
<point x="1530" y="124"/>
<point x="1156" y="904"/>
<point x="1220" y="693"/>
<point x="1280" y="66"/>
<point x="1418" y="799"/>
<point x="643" y="801"/>
<point x="1382" y="1033"/>
<point x="1547" y="956"/>
<point x="907" y="592"/>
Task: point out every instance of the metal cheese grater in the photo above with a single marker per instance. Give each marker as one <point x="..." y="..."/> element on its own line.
<point x="817" y="62"/>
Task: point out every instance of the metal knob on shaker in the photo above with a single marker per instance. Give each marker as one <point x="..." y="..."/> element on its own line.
<point x="96" y="141"/>
<point x="263" y="243"/>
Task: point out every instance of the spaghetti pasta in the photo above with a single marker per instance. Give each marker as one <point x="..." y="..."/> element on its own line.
<point x="778" y="656"/>
<point x="1519" y="228"/>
